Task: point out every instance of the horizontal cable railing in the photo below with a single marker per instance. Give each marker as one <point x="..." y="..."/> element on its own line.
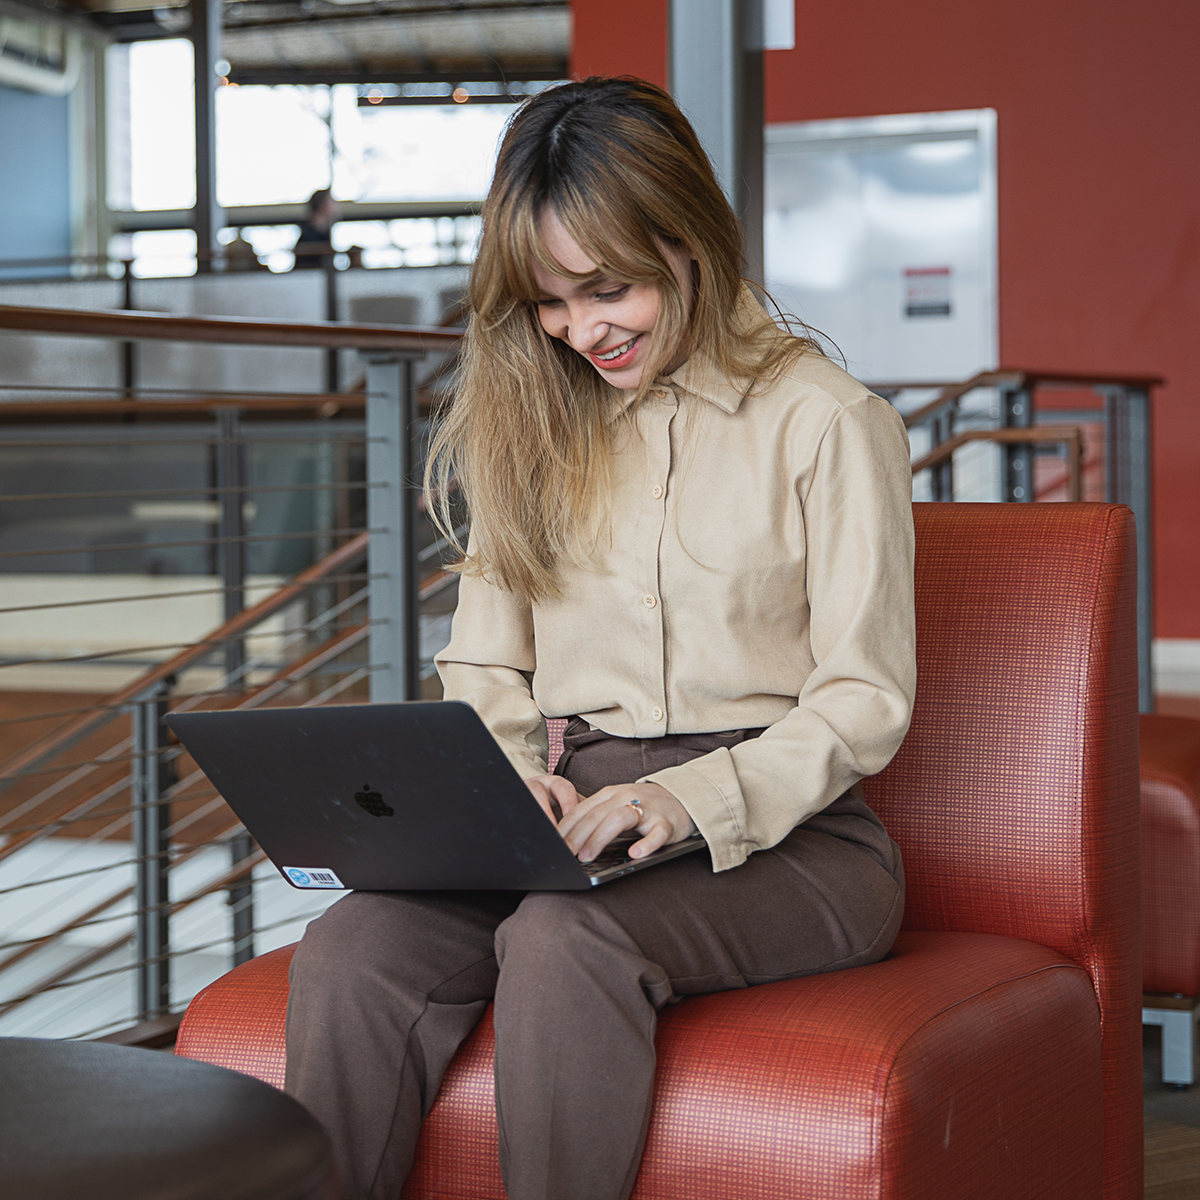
<point x="293" y="518"/>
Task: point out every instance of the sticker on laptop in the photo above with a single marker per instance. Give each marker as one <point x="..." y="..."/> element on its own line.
<point x="312" y="877"/>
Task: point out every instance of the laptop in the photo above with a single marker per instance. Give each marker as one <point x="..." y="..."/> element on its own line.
<point x="391" y="797"/>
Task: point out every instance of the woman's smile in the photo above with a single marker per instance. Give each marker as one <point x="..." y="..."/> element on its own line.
<point x="619" y="356"/>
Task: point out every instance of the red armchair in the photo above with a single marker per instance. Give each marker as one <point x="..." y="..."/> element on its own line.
<point x="1170" y="773"/>
<point x="996" y="1051"/>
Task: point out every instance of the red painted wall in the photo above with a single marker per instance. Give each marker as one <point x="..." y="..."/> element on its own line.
<point x="620" y="37"/>
<point x="1098" y="106"/>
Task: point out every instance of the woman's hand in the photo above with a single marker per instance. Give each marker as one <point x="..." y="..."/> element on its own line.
<point x="554" y="792"/>
<point x="591" y="824"/>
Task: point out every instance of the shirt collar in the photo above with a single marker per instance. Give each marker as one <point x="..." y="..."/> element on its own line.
<point x="701" y="377"/>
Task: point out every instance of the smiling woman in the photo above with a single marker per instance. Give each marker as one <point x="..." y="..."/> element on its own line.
<point x="691" y="536"/>
<point x="623" y="194"/>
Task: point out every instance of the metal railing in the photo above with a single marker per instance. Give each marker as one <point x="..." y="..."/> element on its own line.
<point x="1015" y="411"/>
<point x="127" y="882"/>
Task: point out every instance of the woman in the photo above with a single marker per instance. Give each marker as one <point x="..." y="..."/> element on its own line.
<point x="692" y="535"/>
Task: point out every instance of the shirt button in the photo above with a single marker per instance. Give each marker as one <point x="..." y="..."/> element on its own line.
<point x="656" y="713"/>
<point x="649" y="602"/>
<point x="657" y="491"/>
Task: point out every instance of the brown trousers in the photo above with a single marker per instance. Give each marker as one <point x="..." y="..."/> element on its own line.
<point x="386" y="985"/>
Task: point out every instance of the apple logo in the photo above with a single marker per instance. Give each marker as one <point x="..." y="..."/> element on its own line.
<point x="373" y="802"/>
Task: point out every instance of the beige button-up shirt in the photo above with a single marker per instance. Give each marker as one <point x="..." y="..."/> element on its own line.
<point x="758" y="573"/>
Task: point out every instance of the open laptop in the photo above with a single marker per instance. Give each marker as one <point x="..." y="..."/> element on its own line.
<point x="390" y="797"/>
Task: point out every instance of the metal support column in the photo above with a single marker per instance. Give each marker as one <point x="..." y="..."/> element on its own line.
<point x="207" y="217"/>
<point x="153" y="776"/>
<point x="231" y="480"/>
<point x="1016" y="412"/>
<point x="393" y="458"/>
<point x="1128" y="428"/>
<point x="717" y="79"/>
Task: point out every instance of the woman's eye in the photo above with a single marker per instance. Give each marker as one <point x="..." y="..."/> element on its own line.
<point x="614" y="294"/>
<point x="547" y="303"/>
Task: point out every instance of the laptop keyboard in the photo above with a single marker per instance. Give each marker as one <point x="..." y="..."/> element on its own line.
<point x="615" y="854"/>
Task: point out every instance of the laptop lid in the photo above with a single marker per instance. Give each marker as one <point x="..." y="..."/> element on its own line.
<point x="385" y="797"/>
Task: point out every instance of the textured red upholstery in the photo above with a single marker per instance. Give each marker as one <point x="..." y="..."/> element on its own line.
<point x="238" y="1022"/>
<point x="1170" y="767"/>
<point x="996" y="1051"/>
<point x="1013" y="796"/>
<point x="842" y="1080"/>
<point x="555" y="727"/>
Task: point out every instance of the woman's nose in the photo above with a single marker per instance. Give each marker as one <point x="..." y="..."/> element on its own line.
<point x="585" y="330"/>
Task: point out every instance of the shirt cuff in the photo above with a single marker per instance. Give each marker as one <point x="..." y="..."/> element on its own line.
<point x="708" y="789"/>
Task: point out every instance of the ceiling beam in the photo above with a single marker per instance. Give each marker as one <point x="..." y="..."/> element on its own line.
<point x="291" y="214"/>
<point x="318" y="76"/>
<point x="296" y="12"/>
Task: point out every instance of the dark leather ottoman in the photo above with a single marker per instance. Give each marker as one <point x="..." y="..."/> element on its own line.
<point x="84" y="1120"/>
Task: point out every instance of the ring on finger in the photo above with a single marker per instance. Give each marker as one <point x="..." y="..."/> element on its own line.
<point x="636" y="805"/>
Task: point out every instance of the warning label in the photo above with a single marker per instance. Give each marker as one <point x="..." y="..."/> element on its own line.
<point x="927" y="291"/>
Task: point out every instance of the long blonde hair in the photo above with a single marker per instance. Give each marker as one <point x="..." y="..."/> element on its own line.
<point x="529" y="433"/>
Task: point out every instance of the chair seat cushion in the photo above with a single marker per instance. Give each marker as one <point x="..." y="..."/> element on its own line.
<point x="909" y="1078"/>
<point x="1170" y="785"/>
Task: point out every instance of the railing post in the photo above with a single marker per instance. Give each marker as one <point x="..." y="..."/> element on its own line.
<point x="241" y="901"/>
<point x="392" y="467"/>
<point x="326" y="464"/>
<point x="128" y="349"/>
<point x="1016" y="412"/>
<point x="152" y="778"/>
<point x="231" y="476"/>
<point x="332" y="379"/>
<point x="941" y="429"/>
<point x="1128" y="434"/>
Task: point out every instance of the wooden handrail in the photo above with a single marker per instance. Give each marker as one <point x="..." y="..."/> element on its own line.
<point x="1069" y="435"/>
<point x="1015" y="378"/>
<point x="1086" y="379"/>
<point x="325" y="404"/>
<point x="44" y="749"/>
<point x="293" y="673"/>
<point x="954" y="392"/>
<point x="129" y="326"/>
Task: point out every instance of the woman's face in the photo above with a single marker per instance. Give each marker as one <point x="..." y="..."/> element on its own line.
<point x="609" y="322"/>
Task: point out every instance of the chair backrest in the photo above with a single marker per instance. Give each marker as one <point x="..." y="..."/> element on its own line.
<point x="1014" y="797"/>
